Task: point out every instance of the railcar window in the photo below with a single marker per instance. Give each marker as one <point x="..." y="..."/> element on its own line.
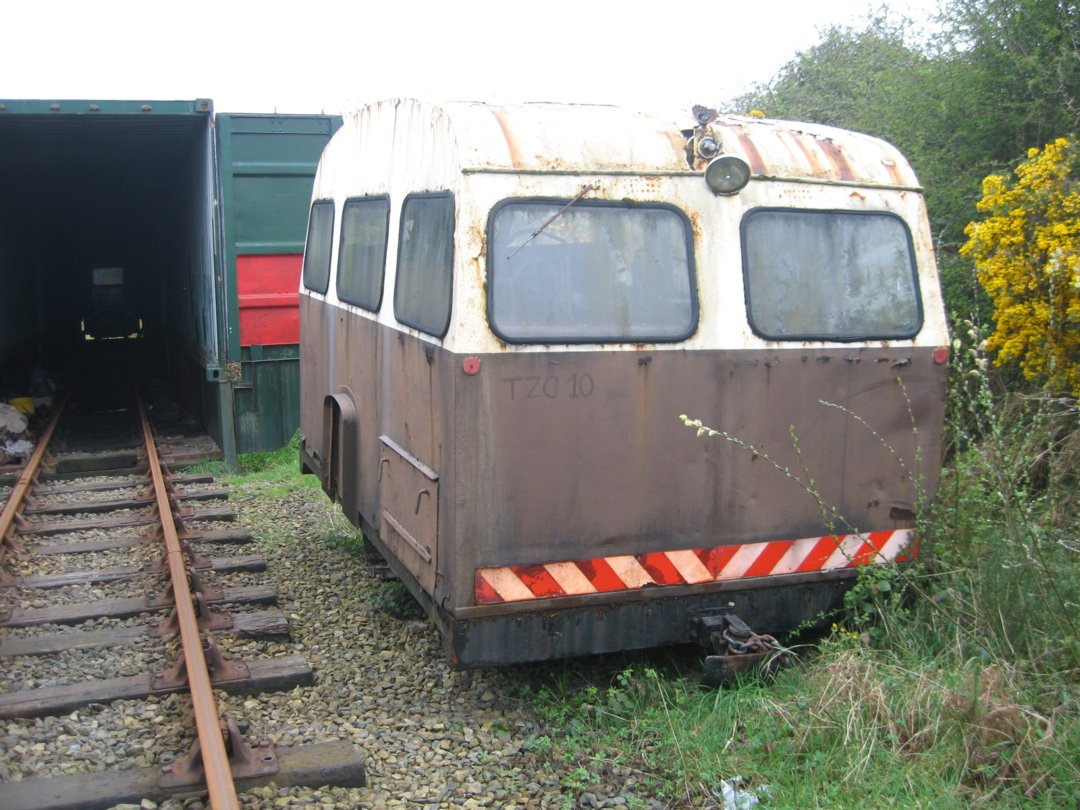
<point x="320" y="234"/>
<point x="362" y="254"/>
<point x="425" y="263"/>
<point x="829" y="275"/>
<point x="590" y="272"/>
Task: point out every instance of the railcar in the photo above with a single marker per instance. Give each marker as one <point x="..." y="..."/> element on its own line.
<point x="506" y="309"/>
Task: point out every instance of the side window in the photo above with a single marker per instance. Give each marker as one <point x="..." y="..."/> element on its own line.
<point x="829" y="275"/>
<point x="425" y="263"/>
<point x="320" y="233"/>
<point x="362" y="253"/>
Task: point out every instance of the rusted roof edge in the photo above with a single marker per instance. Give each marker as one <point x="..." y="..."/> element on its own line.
<point x="816" y="181"/>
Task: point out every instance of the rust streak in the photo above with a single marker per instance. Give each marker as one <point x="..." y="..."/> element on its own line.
<point x="757" y="163"/>
<point x="893" y="170"/>
<point x="837" y="157"/>
<point x="508" y="133"/>
<point x="811" y="157"/>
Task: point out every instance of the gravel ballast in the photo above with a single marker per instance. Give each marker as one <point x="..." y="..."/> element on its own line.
<point x="431" y="738"/>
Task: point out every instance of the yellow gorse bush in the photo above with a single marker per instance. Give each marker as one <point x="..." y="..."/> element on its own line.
<point x="1027" y="257"/>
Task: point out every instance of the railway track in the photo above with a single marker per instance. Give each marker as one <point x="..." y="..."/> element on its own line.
<point x="97" y="559"/>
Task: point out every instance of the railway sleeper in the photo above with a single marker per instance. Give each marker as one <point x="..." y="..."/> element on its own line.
<point x="261" y="624"/>
<point x="49" y="475"/>
<point x="61" y="527"/>
<point x="127" y="607"/>
<point x="233" y="564"/>
<point x="333" y="764"/>
<point x="97" y="507"/>
<point x="100" y="463"/>
<point x="262" y="675"/>
<point x="103" y="486"/>
<point x="220" y="537"/>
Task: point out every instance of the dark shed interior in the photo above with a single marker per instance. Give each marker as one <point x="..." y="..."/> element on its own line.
<point x="86" y="188"/>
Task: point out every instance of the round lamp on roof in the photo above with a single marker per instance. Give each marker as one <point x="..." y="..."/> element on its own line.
<point x="727" y="174"/>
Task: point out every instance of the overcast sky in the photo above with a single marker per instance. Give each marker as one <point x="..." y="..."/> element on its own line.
<point x="332" y="56"/>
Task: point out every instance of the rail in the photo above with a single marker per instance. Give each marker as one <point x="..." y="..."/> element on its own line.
<point x="215" y="759"/>
<point x="219" y="762"/>
<point x="26" y="478"/>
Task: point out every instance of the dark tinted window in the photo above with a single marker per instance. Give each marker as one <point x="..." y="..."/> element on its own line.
<point x="590" y="272"/>
<point x="320" y="234"/>
<point x="829" y="275"/>
<point x="425" y="263"/>
<point x="362" y="253"/>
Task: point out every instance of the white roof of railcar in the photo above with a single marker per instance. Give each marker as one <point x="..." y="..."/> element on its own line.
<point x="585" y="138"/>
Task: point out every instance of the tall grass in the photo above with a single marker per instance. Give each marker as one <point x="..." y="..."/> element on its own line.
<point x="1007" y="521"/>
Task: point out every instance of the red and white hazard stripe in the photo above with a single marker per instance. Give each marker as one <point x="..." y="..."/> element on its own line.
<point x="516" y="583"/>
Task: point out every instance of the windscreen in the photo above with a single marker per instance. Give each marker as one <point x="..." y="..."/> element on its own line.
<point x="829" y="275"/>
<point x="586" y="271"/>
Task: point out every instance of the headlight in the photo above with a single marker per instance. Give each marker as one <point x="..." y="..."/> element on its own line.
<point x="727" y="174"/>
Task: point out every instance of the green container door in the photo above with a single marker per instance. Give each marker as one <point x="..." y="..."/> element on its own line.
<point x="267" y="166"/>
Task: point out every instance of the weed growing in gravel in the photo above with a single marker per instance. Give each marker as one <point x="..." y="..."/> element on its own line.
<point x="350" y="540"/>
<point x="394" y="598"/>
<point x="218" y="469"/>
<point x="276" y="472"/>
<point x="542" y="745"/>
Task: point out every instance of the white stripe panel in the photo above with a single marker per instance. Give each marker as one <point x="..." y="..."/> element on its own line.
<point x="742" y="560"/>
<point x="629" y="570"/>
<point x="794" y="556"/>
<point x="688" y="565"/>
<point x="895" y="546"/>
<point x="506" y="584"/>
<point x="843" y="556"/>
<point x="570" y="578"/>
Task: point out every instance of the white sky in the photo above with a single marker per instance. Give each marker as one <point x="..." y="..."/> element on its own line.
<point x="333" y="56"/>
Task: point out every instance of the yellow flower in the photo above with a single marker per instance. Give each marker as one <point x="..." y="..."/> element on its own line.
<point x="1027" y="258"/>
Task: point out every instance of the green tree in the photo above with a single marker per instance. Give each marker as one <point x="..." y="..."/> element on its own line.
<point x="1022" y="60"/>
<point x="875" y="81"/>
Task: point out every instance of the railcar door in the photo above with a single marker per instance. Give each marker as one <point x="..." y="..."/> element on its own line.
<point x="414" y="391"/>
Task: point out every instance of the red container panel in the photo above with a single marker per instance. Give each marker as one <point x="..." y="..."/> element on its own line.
<point x="266" y="287"/>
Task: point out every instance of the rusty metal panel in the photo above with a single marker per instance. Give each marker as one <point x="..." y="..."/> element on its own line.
<point x="585" y="139"/>
<point x="811" y="151"/>
<point x="579" y="453"/>
<point x="588" y="138"/>
<point x="410" y="510"/>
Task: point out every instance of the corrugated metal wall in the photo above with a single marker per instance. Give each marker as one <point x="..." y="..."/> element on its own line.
<point x="267" y="166"/>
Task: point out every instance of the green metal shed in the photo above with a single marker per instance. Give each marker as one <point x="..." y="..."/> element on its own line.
<point x="266" y="167"/>
<point x="203" y="217"/>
